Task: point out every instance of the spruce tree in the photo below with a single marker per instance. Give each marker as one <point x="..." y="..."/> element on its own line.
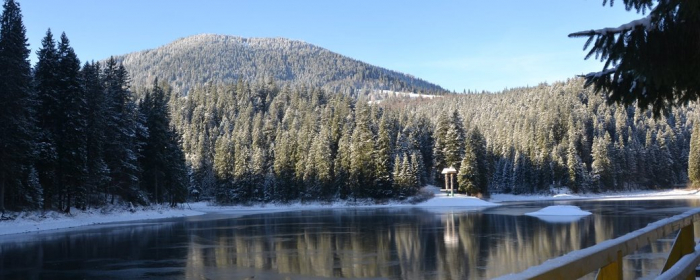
<point x="98" y="172"/>
<point x="153" y="159"/>
<point x="694" y="156"/>
<point x="361" y="152"/>
<point x="653" y="61"/>
<point x="46" y="84"/>
<point x="473" y="178"/>
<point x="72" y="134"/>
<point x="17" y="115"/>
<point x="122" y="130"/>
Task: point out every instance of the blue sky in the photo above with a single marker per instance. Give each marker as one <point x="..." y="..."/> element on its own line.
<point x="477" y="45"/>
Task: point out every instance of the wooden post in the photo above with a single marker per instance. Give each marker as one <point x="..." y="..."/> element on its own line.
<point x="447" y="182"/>
<point x="684" y="244"/>
<point x="612" y="271"/>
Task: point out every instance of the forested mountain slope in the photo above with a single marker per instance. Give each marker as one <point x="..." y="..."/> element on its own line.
<point x="221" y="59"/>
<point x="565" y="135"/>
<point x="266" y="143"/>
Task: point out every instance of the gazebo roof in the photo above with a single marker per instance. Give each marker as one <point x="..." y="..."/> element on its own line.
<point x="449" y="170"/>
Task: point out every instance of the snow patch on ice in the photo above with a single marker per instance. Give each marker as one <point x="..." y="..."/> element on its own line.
<point x="560" y="214"/>
<point x="456" y="201"/>
<point x="559" y="210"/>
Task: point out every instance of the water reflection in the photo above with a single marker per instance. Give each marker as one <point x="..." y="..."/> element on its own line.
<point x="371" y="243"/>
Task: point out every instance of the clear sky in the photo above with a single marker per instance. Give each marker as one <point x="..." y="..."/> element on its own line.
<point x="468" y="44"/>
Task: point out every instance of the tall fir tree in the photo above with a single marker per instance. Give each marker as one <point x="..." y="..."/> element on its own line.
<point x="46" y="81"/>
<point x="17" y="152"/>
<point x="694" y="156"/>
<point x="153" y="158"/>
<point x="122" y="130"/>
<point x="71" y="137"/>
<point x="97" y="119"/>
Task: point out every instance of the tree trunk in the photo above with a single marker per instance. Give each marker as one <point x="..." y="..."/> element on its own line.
<point x="155" y="185"/>
<point x="2" y="193"/>
<point x="68" y="193"/>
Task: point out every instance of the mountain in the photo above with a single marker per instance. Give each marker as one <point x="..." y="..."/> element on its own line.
<point x="200" y="59"/>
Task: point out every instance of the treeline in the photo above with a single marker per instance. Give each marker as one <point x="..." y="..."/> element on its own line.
<point x="75" y="136"/>
<point x="565" y="135"/>
<point x="259" y="143"/>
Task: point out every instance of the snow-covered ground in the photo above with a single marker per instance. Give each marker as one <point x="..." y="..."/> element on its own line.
<point x="38" y="221"/>
<point x="565" y="194"/>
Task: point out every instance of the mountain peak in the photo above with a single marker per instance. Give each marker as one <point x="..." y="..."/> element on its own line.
<point x="219" y="59"/>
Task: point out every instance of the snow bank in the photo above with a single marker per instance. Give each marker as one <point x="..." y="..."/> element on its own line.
<point x="456" y="201"/>
<point x="560" y="214"/>
<point x="565" y="194"/>
<point x="38" y="221"/>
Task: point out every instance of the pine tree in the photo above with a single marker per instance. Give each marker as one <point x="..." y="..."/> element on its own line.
<point x="16" y="100"/>
<point x="694" y="156"/>
<point x="454" y="141"/>
<point x="46" y="84"/>
<point x="653" y="61"/>
<point x="223" y="168"/>
<point x="473" y="178"/>
<point x="72" y="119"/>
<point x="153" y="158"/>
<point x="601" y="168"/>
<point x="361" y="151"/>
<point x="440" y="135"/>
<point x="122" y="130"/>
<point x="382" y="158"/>
<point x="468" y="172"/>
<point x="98" y="172"/>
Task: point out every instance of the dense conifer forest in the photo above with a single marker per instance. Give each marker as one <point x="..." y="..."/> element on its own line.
<point x="262" y="143"/>
<point x="83" y="136"/>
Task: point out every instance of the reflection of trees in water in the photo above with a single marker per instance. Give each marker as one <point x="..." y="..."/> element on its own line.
<point x="394" y="244"/>
<point x="90" y="253"/>
<point x="413" y="245"/>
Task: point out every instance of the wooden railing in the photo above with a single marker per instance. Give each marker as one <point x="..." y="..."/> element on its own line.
<point x="606" y="257"/>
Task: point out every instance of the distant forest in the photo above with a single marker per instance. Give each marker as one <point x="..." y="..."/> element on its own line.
<point x="261" y="143"/>
<point x="82" y="136"/>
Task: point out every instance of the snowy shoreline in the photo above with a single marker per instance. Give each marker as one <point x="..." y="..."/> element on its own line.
<point x="32" y="222"/>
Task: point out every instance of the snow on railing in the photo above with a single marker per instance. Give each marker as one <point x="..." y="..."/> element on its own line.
<point x="608" y="254"/>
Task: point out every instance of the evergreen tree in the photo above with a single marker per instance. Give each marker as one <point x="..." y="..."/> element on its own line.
<point x="122" y="130"/>
<point x="17" y="115"/>
<point x="98" y="172"/>
<point x="153" y="158"/>
<point x="473" y="178"/>
<point x="72" y="134"/>
<point x="694" y="156"/>
<point x="653" y="61"/>
<point x="46" y="81"/>
<point x="361" y="152"/>
<point x="454" y="141"/>
<point x="382" y="158"/>
<point x="440" y="135"/>
<point x="601" y="168"/>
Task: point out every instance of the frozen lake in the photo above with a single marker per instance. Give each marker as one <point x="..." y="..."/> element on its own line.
<point x="379" y="243"/>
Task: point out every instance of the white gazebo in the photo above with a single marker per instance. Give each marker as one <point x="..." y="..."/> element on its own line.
<point x="449" y="180"/>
